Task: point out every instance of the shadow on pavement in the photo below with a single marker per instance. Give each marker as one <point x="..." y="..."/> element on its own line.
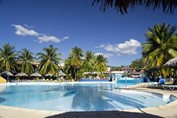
<point x="104" y="114"/>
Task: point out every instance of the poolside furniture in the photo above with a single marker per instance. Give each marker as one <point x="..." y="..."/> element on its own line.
<point x="170" y="86"/>
<point x="151" y="84"/>
<point x="158" y="85"/>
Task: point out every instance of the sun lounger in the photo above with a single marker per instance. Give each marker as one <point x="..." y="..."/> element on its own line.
<point x="152" y="84"/>
<point x="170" y="86"/>
<point x="157" y="85"/>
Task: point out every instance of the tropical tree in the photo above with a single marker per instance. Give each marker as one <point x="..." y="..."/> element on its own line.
<point x="160" y="47"/>
<point x="137" y="64"/>
<point x="26" y="57"/>
<point x="8" y="58"/>
<point x="100" y="64"/>
<point x="114" y="68"/>
<point x="74" y="61"/>
<point x="49" y="60"/>
<point x="122" y="6"/>
<point x="69" y="69"/>
<point x="88" y="63"/>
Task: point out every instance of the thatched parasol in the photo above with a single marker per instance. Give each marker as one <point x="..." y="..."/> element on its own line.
<point x="171" y="62"/>
<point x="48" y="75"/>
<point x="21" y="75"/>
<point x="7" y="73"/>
<point x="35" y="74"/>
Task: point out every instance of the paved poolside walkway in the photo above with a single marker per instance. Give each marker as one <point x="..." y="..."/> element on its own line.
<point x="168" y="111"/>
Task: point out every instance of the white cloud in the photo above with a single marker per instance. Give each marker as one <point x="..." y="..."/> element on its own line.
<point x="100" y="46"/>
<point x="109" y="47"/>
<point x="20" y="30"/>
<point x="28" y="26"/>
<point x="27" y="31"/>
<point x="106" y="55"/>
<point x="45" y="38"/>
<point x="126" y="48"/>
<point x="65" y="38"/>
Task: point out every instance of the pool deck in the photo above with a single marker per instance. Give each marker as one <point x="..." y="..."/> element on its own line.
<point x="167" y="111"/>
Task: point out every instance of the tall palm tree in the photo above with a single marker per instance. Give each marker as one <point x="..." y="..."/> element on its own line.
<point x="74" y="61"/>
<point x="77" y="53"/>
<point x="49" y="60"/>
<point x="161" y="45"/>
<point x="26" y="57"/>
<point x="100" y="64"/>
<point x="88" y="63"/>
<point x="8" y="58"/>
<point x="122" y="6"/>
<point x="68" y="68"/>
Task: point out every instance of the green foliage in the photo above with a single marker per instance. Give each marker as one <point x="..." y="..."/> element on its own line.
<point x="49" y="61"/>
<point x="123" y="6"/>
<point x="100" y="63"/>
<point x="26" y="56"/>
<point x="89" y="61"/>
<point x="114" y="68"/>
<point x="74" y="62"/>
<point x="8" y="57"/>
<point x="138" y="63"/>
<point x="160" y="47"/>
<point x="69" y="77"/>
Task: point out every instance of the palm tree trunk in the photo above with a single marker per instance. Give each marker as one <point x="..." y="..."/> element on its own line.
<point x="74" y="74"/>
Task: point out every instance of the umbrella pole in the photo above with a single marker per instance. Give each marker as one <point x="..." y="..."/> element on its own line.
<point x="7" y="78"/>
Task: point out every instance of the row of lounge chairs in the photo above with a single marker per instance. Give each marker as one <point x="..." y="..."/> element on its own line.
<point x="43" y="80"/>
<point x="166" y="85"/>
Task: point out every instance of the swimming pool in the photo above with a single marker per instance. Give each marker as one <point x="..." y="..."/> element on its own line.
<point x="79" y="97"/>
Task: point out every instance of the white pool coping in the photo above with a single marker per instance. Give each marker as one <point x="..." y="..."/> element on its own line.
<point x="49" y="83"/>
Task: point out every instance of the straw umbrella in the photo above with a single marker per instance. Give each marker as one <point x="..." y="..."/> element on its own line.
<point x="21" y="75"/>
<point x="7" y="73"/>
<point x="36" y="74"/>
<point x="48" y="75"/>
<point x="171" y="62"/>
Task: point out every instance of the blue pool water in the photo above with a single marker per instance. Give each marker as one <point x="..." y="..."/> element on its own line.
<point x="129" y="80"/>
<point x="79" y="97"/>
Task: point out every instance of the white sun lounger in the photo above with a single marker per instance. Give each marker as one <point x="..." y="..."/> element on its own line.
<point x="169" y="87"/>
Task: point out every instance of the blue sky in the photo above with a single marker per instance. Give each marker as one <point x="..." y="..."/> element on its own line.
<point x="35" y="24"/>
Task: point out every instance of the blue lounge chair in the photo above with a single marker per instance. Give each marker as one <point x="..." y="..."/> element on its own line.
<point x="159" y="84"/>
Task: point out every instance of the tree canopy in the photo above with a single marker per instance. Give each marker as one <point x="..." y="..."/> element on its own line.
<point x="122" y="6"/>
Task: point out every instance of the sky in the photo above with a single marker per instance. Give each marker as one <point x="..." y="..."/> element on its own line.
<point x="36" y="24"/>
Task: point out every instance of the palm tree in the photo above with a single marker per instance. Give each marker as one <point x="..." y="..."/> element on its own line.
<point x="8" y="58"/>
<point x="26" y="57"/>
<point x="49" y="60"/>
<point x="123" y="5"/>
<point x="161" y="45"/>
<point x="88" y="63"/>
<point x="68" y="68"/>
<point x="138" y="63"/>
<point x="100" y="64"/>
<point x="74" y="61"/>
